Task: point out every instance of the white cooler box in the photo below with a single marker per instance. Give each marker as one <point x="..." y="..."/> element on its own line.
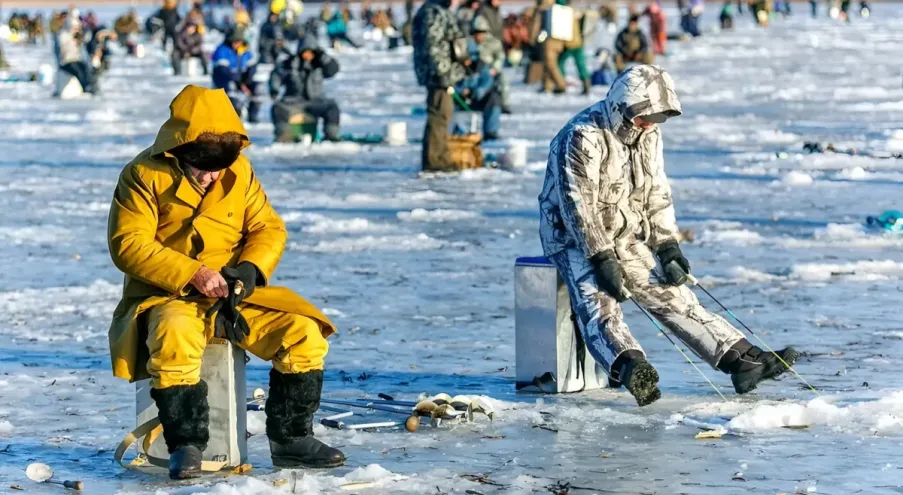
<point x="223" y="368"/>
<point x="546" y="344"/>
<point x="558" y="22"/>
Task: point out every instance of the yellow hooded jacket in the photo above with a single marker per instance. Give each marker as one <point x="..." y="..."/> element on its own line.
<point x="161" y="230"/>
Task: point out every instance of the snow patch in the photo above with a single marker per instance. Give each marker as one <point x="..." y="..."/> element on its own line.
<point x="860" y="271"/>
<point x="795" y="178"/>
<point x="438" y="215"/>
<point x="881" y="417"/>
<point x="743" y="274"/>
<point x="351" y="225"/>
<point x="401" y="243"/>
<point x="731" y="237"/>
<point x="45" y="234"/>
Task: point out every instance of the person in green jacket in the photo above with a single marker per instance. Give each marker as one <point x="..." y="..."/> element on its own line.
<point x="574" y="49"/>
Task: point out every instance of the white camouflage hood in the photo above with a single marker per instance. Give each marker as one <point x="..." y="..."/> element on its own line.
<point x="638" y="91"/>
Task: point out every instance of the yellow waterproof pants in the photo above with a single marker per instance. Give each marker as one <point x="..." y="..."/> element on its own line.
<point x="178" y="332"/>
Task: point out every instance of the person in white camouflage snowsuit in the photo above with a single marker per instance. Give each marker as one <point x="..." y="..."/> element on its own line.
<point x="607" y="223"/>
<point x="435" y="31"/>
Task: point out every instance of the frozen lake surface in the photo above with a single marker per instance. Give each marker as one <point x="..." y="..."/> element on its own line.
<point x="417" y="273"/>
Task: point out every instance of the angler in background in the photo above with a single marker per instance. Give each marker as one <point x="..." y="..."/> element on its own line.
<point x="607" y="223"/>
<point x="266" y="42"/>
<point x="552" y="80"/>
<point x="97" y="43"/>
<point x="36" y="30"/>
<point x="127" y="30"/>
<point x="489" y="11"/>
<point x="467" y="11"/>
<point x="631" y="46"/>
<point x="489" y="51"/>
<point x="726" y="17"/>
<point x="481" y="89"/>
<point x="166" y="21"/>
<point x="185" y="286"/>
<point x="658" y="26"/>
<point x="297" y="86"/>
<point x="72" y="55"/>
<point x="337" y="27"/>
<point x="516" y="39"/>
<point x="189" y="44"/>
<point x="233" y="71"/>
<point x="574" y="50"/>
<point x="689" y="17"/>
<point x="440" y="55"/>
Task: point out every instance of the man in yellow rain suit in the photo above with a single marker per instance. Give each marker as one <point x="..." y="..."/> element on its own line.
<point x="198" y="241"/>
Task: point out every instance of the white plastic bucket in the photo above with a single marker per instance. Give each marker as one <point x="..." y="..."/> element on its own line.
<point x="396" y="133"/>
<point x="516" y="154"/>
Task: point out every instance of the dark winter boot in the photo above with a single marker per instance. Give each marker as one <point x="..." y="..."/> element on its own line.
<point x="185" y="416"/>
<point x="290" y="410"/>
<point x="638" y="376"/>
<point x="331" y="133"/>
<point x="587" y="87"/>
<point x="748" y="365"/>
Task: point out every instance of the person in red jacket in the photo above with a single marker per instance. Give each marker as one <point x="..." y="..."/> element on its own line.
<point x="658" y="28"/>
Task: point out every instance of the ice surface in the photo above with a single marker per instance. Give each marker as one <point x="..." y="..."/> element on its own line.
<point x="417" y="273"/>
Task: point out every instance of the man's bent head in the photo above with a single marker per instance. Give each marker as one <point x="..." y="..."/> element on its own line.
<point x="209" y="154"/>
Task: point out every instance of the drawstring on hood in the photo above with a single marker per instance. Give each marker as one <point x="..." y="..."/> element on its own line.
<point x="638" y="91"/>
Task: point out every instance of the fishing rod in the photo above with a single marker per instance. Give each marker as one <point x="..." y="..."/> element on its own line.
<point x="694" y="281"/>
<point x="682" y="353"/>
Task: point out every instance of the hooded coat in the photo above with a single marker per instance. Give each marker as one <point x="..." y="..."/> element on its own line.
<point x="304" y="80"/>
<point x="605" y="185"/>
<point x="190" y="43"/>
<point x="493" y="17"/>
<point x="161" y="230"/>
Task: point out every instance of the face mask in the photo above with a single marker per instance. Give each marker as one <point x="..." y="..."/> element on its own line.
<point x="629" y="133"/>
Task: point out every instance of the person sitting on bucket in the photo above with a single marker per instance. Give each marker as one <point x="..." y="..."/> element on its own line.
<point x="482" y="88"/>
<point x="607" y="223"/>
<point x="72" y="55"/>
<point x="631" y="46"/>
<point x="233" y="71"/>
<point x="300" y="81"/>
<point x="198" y="241"/>
<point x="189" y="44"/>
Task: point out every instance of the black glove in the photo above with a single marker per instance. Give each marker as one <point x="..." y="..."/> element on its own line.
<point x="245" y="272"/>
<point x="608" y="275"/>
<point x="229" y="323"/>
<point x="674" y="263"/>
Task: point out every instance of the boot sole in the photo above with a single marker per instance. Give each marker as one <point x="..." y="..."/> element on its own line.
<point x="644" y="384"/>
<point x="295" y="462"/>
<point x="186" y="475"/>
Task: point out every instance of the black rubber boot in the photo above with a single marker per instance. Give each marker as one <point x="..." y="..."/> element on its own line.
<point x="331" y="133"/>
<point x="290" y="410"/>
<point x="748" y="365"/>
<point x="185" y="416"/>
<point x="638" y="377"/>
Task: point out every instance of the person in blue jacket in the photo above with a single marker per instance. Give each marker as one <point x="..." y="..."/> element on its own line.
<point x="337" y="28"/>
<point x="481" y="89"/>
<point x="233" y="71"/>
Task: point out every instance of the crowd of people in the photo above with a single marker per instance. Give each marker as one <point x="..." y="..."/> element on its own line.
<point x="463" y="53"/>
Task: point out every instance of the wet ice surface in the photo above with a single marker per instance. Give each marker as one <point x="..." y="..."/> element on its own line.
<point x="417" y="274"/>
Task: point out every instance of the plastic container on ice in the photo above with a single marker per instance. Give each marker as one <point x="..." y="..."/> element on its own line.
<point x="223" y="368"/>
<point x="549" y="353"/>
